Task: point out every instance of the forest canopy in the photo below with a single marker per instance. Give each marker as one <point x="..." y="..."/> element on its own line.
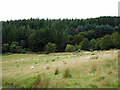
<point x="59" y="35"/>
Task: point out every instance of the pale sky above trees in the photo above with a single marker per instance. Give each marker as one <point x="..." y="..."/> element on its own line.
<point x="54" y="9"/>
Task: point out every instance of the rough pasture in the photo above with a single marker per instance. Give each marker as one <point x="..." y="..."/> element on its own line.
<point x="82" y="70"/>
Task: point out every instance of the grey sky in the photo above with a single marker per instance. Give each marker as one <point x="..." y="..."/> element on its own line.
<point x="53" y="9"/>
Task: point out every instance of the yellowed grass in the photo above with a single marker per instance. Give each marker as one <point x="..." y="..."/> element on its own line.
<point x="10" y="69"/>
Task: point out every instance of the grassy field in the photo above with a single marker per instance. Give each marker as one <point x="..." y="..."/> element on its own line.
<point x="61" y="70"/>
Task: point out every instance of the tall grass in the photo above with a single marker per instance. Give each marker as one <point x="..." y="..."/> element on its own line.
<point x="41" y="82"/>
<point x="67" y="73"/>
<point x="56" y="71"/>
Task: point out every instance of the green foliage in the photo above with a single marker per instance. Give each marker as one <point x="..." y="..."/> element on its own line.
<point x="23" y="51"/>
<point x="70" y="41"/>
<point x="92" y="44"/>
<point x="70" y="48"/>
<point x="23" y="43"/>
<point x="34" y="34"/>
<point x="116" y="39"/>
<point x="106" y="42"/>
<point x="61" y="40"/>
<point x="31" y="42"/>
<point x="50" y="47"/>
<point x="84" y="44"/>
<point x="15" y="48"/>
<point x="38" y="40"/>
<point x="87" y="34"/>
<point x="77" y="38"/>
<point x="78" y="48"/>
<point x="5" y="48"/>
<point x="97" y="45"/>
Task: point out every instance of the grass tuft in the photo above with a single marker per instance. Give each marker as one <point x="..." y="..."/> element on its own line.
<point x="67" y="73"/>
<point x="93" y="85"/>
<point x="94" y="57"/>
<point x="93" y="68"/>
<point x="47" y="67"/>
<point x="56" y="71"/>
<point x="41" y="82"/>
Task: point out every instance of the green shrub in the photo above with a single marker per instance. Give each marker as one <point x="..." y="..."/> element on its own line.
<point x="70" y="48"/>
<point x="50" y="47"/>
<point x="23" y="51"/>
<point x="106" y="43"/>
<point x="67" y="73"/>
<point x="47" y="53"/>
<point x="5" y="48"/>
<point x="56" y="71"/>
<point x="84" y="44"/>
<point x="15" y="48"/>
<point x="92" y="44"/>
<point x="8" y="53"/>
<point x="78" y="48"/>
<point x="41" y="52"/>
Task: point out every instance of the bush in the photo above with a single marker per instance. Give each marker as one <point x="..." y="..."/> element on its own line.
<point x="116" y="39"/>
<point x="78" y="38"/>
<point x="5" y="48"/>
<point x="15" y="48"/>
<point x="50" y="47"/>
<point x="41" y="52"/>
<point x="23" y="51"/>
<point x="70" y="48"/>
<point x="84" y="44"/>
<point x="78" y="48"/>
<point x="92" y="44"/>
<point x="8" y="53"/>
<point x="67" y="73"/>
<point x="106" y="43"/>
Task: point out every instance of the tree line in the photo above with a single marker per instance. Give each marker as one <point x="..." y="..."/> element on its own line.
<point x="37" y="35"/>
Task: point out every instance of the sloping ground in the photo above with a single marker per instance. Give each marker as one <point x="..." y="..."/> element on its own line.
<point x="91" y="70"/>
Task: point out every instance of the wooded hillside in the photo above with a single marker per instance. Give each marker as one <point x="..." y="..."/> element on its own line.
<point x="58" y="35"/>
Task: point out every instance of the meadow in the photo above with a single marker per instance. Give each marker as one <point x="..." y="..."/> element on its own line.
<point x="98" y="69"/>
